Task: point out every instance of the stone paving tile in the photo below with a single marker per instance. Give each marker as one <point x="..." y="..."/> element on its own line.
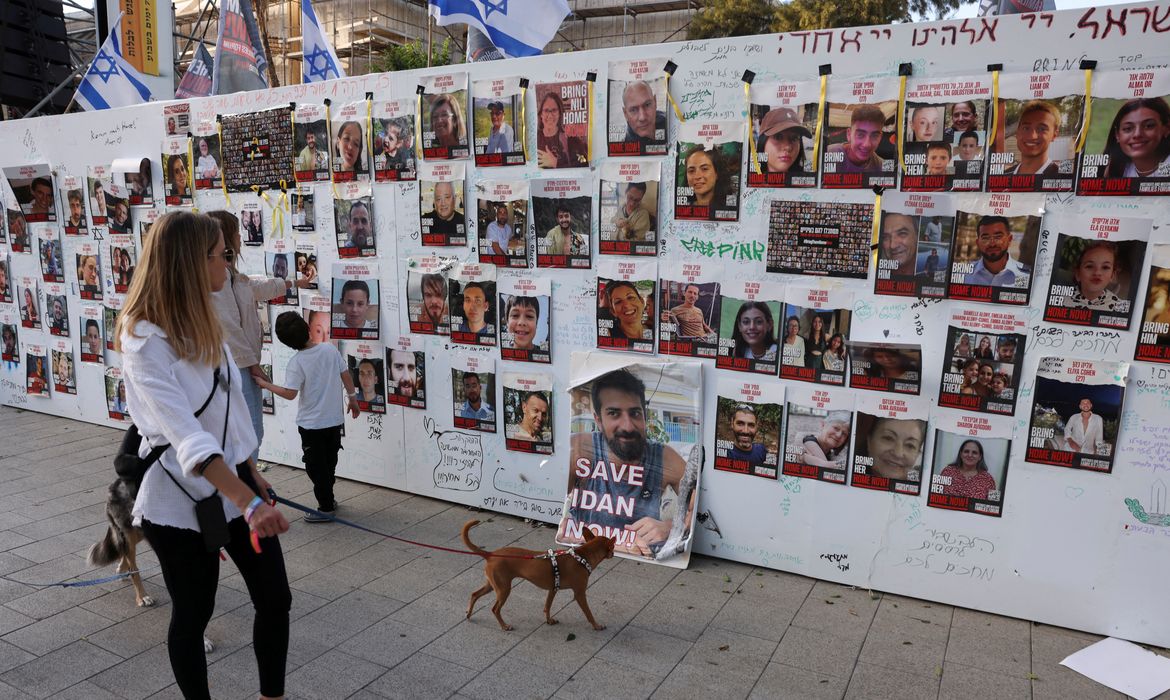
<point x="872" y="682"/>
<point x="138" y="677"/>
<point x="647" y="651"/>
<point x="973" y="646"/>
<point x="819" y="651"/>
<point x="508" y="677"/>
<point x="783" y="682"/>
<point x="421" y="676"/>
<point x="333" y="675"/>
<point x="56" y="631"/>
<point x="47" y="675"/>
<point x="604" y="679"/>
<point x="960" y="682"/>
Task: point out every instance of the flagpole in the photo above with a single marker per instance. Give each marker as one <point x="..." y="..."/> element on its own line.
<point x="36" y="108"/>
<point x="430" y="38"/>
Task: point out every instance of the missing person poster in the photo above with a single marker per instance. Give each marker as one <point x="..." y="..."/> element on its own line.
<point x="146" y="219"/>
<point x="73" y="198"/>
<point x="138" y="175"/>
<point x="267" y="398"/>
<point x="994" y="249"/>
<point x="971" y="458"/>
<point x="913" y="246"/>
<point x="816" y="433"/>
<point x="625" y="304"/>
<point x="93" y="344"/>
<point x="502" y="215"/>
<point x="177" y="178"/>
<point x="18" y="233"/>
<point x="406" y="367"/>
<point x="637" y="107"/>
<point x="890" y="367"/>
<point x="1127" y="148"/>
<point x="441" y="204"/>
<point x="251" y="218"/>
<point x="815" y="342"/>
<point x="562" y="124"/>
<point x="279" y="264"/>
<point x="395" y="159"/>
<point x="562" y="214"/>
<point x="178" y="118"/>
<point x="472" y="297"/>
<point x="311" y="143"/>
<point x="525" y="327"/>
<point x="889" y="443"/>
<point x="307" y="265"/>
<point x="473" y="390"/>
<point x="497" y="116"/>
<point x="207" y="165"/>
<point x="366" y="363"/>
<point x="528" y="419"/>
<point x="97" y="184"/>
<point x="116" y="406"/>
<point x="707" y="171"/>
<point x="51" y="255"/>
<point x="426" y="295"/>
<point x="89" y="271"/>
<point x="57" y="309"/>
<point x="353" y="216"/>
<point x="111" y="307"/>
<point x="35" y="192"/>
<point x="7" y="281"/>
<point x="785" y="120"/>
<point x="627" y="478"/>
<point x="61" y="364"/>
<point x="689" y="309"/>
<point x="1076" y="413"/>
<point x="821" y="238"/>
<point x="629" y="207"/>
<point x="304" y="216"/>
<point x="350" y="152"/>
<point x="1034" y="145"/>
<point x="36" y="371"/>
<point x="1154" y="337"/>
<point x="748" y="416"/>
<point x="444" y="116"/>
<point x="984" y="356"/>
<point x="356" y="301"/>
<point x="859" y="145"/>
<point x="318" y="312"/>
<point x="1096" y="270"/>
<point x="945" y="134"/>
<point x="264" y="312"/>
<point x="10" y="333"/>
<point x="28" y="294"/>
<point x="748" y="311"/>
<point x="119" y="209"/>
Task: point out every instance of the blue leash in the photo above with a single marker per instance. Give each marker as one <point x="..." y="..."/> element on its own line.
<point x="74" y="584"/>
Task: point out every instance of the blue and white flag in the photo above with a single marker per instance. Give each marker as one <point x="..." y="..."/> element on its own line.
<point x="516" y="27"/>
<point x="110" y="81"/>
<point x="320" y="60"/>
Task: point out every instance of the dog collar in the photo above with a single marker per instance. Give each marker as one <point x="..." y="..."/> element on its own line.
<point x="556" y="570"/>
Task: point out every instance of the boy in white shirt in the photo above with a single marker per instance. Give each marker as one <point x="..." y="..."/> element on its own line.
<point x="316" y="372"/>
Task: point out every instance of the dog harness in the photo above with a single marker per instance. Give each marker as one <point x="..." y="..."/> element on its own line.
<point x="552" y="557"/>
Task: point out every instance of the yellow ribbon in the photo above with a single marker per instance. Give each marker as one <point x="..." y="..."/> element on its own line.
<point x="191" y="170"/>
<point x="281" y="207"/>
<point x="877" y="224"/>
<point x="670" y="98"/>
<point x="524" y="121"/>
<point x="222" y="178"/>
<point x="902" y="113"/>
<point x="1088" y="109"/>
<point x="994" y="131"/>
<point x="329" y="148"/>
<point x="368" y="139"/>
<point x="589" y="122"/>
<point x="418" y="149"/>
<point x="821" y="117"/>
<point x="747" y="95"/>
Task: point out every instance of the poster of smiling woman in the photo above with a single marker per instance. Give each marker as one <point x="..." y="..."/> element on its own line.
<point x="1127" y="148"/>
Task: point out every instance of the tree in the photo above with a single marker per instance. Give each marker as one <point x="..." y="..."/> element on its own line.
<point x="411" y="55"/>
<point x="720" y="18"/>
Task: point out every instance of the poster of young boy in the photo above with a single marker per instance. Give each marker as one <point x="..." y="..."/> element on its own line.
<point x="177" y="178"/>
<point x="1034" y="145"/>
<point x="355" y="301"/>
<point x="73" y="197"/>
<point x="426" y="296"/>
<point x="502" y="216"/>
<point x="748" y="311"/>
<point x="528" y="419"/>
<point x="945" y="134"/>
<point x="891" y="367"/>
<point x="984" y="357"/>
<point x="444" y="119"/>
<point x="496" y="117"/>
<point x="748" y="415"/>
<point x="689" y="309"/>
<point x="1097" y="270"/>
<point x="625" y="304"/>
<point x="473" y="390"/>
<point x="913" y="245"/>
<point x="707" y="171"/>
<point x="366" y="363"/>
<point x="525" y="311"/>
<point x="1123" y="153"/>
<point x="311" y="143"/>
<point x="472" y="303"/>
<point x="350" y="151"/>
<point x="637" y="107"/>
<point x="353" y="214"/>
<point x="629" y="207"/>
<point x="994" y="248"/>
<point x="971" y="458"/>
<point x="1154" y="339"/>
<point x="394" y="154"/>
<point x="815" y="342"/>
<point x="441" y="204"/>
<point x="562" y="125"/>
<point x="1076" y="413"/>
<point x="317" y="312"/>
<point x="859" y="147"/>
<point x="889" y="443"/>
<point x="93" y="344"/>
<point x="406" y="366"/>
<point x="817" y="428"/>
<point x="562" y="215"/>
<point x="786" y="117"/>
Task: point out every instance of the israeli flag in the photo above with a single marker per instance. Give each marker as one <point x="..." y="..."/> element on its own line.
<point x="110" y="81"/>
<point x="320" y="61"/>
<point x="516" y="27"/>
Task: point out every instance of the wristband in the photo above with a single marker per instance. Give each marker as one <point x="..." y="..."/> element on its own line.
<point x="255" y="503"/>
<point x="352" y="394"/>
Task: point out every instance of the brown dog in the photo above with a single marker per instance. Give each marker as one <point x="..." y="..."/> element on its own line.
<point x="511" y="562"/>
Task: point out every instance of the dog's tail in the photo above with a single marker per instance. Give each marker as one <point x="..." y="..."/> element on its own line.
<point x="108" y="550"/>
<point x="467" y="539"/>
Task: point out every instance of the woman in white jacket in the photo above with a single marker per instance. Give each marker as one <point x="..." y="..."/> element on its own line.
<point x="235" y="305"/>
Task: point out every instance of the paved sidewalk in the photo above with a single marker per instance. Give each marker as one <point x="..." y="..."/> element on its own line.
<point x="374" y="618"/>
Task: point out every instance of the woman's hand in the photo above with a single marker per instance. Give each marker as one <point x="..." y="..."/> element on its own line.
<point x="267" y="521"/>
<point x="545" y="158"/>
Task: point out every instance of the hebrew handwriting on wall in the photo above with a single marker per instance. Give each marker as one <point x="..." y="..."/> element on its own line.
<point x="946" y="553"/>
<point x="460" y="466"/>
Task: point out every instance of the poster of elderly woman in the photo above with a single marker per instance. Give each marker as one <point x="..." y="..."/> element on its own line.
<point x="816" y="433"/>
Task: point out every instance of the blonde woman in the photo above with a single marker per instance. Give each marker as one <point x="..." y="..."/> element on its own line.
<point x="173" y="360"/>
